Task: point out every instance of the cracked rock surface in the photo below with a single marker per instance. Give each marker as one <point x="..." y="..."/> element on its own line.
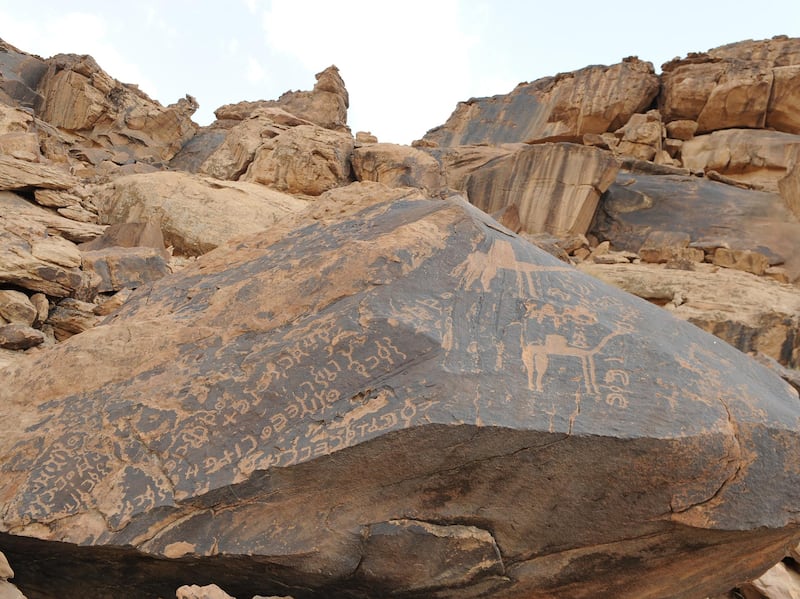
<point x="400" y="398"/>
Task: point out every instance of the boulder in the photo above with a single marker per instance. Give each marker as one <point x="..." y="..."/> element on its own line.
<point x="70" y="317"/>
<point x="195" y="214"/>
<point x="750" y="84"/>
<point x="746" y="260"/>
<point x="398" y="166"/>
<point x="755" y="157"/>
<point x="667" y="246"/>
<point x="595" y="99"/>
<point x="209" y="591"/>
<point x="230" y="158"/>
<point x="404" y="383"/>
<point x="306" y="159"/>
<point x="712" y="214"/>
<point x="23" y="174"/>
<point x="120" y="267"/>
<point x="753" y="314"/>
<point x="15" y="306"/>
<point x="19" y="336"/>
<point x="33" y="259"/>
<point x="556" y="187"/>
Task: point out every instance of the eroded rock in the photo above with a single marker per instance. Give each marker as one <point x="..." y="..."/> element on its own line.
<point x="415" y="333"/>
<point x="556" y="187"/>
<point x="595" y="99"/>
<point x="195" y="214"/>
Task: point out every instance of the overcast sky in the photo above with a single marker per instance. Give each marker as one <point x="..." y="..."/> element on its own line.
<point x="406" y="64"/>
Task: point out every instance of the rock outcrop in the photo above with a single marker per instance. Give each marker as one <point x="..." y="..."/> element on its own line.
<point x="213" y="340"/>
<point x="195" y="214"/>
<point x="562" y="108"/>
<point x="244" y="405"/>
<point x="555" y="187"/>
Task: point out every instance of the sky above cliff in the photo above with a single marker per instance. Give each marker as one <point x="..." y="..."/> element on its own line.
<point x="406" y="65"/>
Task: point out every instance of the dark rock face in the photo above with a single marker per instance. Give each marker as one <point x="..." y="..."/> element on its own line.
<point x="306" y="406"/>
<point x="713" y="214"/>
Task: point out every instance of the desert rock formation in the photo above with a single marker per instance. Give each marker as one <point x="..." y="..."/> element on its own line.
<point x="270" y="358"/>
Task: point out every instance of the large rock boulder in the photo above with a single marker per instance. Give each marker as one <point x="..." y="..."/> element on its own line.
<point x="334" y="408"/>
<point x="747" y="84"/>
<point x="196" y="214"/>
<point x="555" y="187"/>
<point x="595" y="99"/>
<point x="756" y="157"/>
<point x="398" y="166"/>
<point x="715" y="215"/>
<point x="306" y="159"/>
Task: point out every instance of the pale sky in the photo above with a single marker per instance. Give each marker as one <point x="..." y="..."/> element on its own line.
<point x="406" y="64"/>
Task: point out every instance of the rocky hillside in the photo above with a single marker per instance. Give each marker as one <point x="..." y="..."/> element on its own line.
<point x="271" y="358"/>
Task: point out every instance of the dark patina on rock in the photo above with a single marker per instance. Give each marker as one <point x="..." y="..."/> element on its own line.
<point x="293" y="413"/>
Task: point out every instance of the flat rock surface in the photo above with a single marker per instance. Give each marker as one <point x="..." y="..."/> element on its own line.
<point x="277" y="416"/>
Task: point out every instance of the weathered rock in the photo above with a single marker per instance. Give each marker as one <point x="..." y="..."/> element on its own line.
<point x="779" y="582"/>
<point x="790" y="375"/>
<point x="70" y="317"/>
<point x="398" y="166"/>
<point x="77" y="95"/>
<point x="16" y="208"/>
<point x="42" y="306"/>
<point x="9" y="591"/>
<point x="19" y="336"/>
<point x="365" y="137"/>
<point x="20" y="74"/>
<point x="681" y="129"/>
<point x="595" y="99"/>
<point x="746" y="260"/>
<point x="641" y="137"/>
<point x="556" y="187"/>
<point x="306" y="159"/>
<point x="120" y="267"/>
<point x="5" y="568"/>
<point x="789" y="185"/>
<point x="749" y="84"/>
<point x="195" y="214"/>
<point x="230" y="157"/>
<point x="458" y="162"/>
<point x="30" y="258"/>
<point x="752" y="314"/>
<point x="22" y="174"/>
<point x="713" y="214"/>
<point x="16" y="307"/>
<point x="665" y="246"/>
<point x="413" y="334"/>
<point x="210" y="591"/>
<point x="750" y="156"/>
<point x="129" y="235"/>
<point x="326" y="105"/>
<point x="456" y="555"/>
